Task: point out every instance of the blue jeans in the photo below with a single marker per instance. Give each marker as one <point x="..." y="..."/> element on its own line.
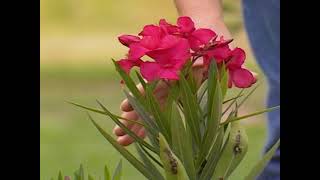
<point x="262" y="22"/>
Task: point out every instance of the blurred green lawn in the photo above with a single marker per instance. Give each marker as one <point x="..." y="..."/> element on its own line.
<point x="67" y="137"/>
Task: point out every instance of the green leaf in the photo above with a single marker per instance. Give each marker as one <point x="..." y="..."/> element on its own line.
<point x="128" y="81"/>
<point x="153" y="129"/>
<point x="250" y="115"/>
<point x="159" y="117"/>
<point x="258" y="168"/>
<point x="60" y="177"/>
<point x="118" y="172"/>
<point x="172" y="96"/>
<point x="213" y="120"/>
<point x="143" y="114"/>
<point x="106" y="173"/>
<point x="233" y="153"/>
<point x="213" y="156"/>
<point x="90" y="177"/>
<point x="248" y="95"/>
<point x="124" y="152"/>
<point x="127" y="130"/>
<point x="172" y="165"/>
<point x="104" y="113"/>
<point x="148" y="163"/>
<point x="79" y="174"/>
<point x="181" y="144"/>
<point x="192" y="82"/>
<point x="224" y="80"/>
<point x="202" y="96"/>
<point x="234" y="100"/>
<point x="201" y="91"/>
<point x="212" y="82"/>
<point x="214" y="103"/>
<point x="191" y="110"/>
<point x="142" y="81"/>
<point x="150" y="156"/>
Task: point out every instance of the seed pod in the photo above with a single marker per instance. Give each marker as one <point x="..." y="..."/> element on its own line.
<point x="234" y="151"/>
<point x="172" y="165"/>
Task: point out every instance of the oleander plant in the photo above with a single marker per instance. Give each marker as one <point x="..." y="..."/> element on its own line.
<point x="195" y="132"/>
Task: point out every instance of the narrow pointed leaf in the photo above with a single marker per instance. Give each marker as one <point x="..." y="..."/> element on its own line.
<point x="153" y="130"/>
<point x="90" y="177"/>
<point x="118" y="172"/>
<point x="224" y="80"/>
<point x="128" y="81"/>
<point x="106" y="173"/>
<point x="150" y="156"/>
<point x="181" y="145"/>
<point x="258" y="168"/>
<point x="233" y="153"/>
<point x="60" y="177"/>
<point x="192" y="82"/>
<point x="104" y="113"/>
<point x="143" y="114"/>
<point x="124" y="152"/>
<point x="79" y="174"/>
<point x="213" y="119"/>
<point x="157" y="114"/>
<point x="127" y="130"/>
<point x="234" y="100"/>
<point x="250" y="115"/>
<point x="172" y="165"/>
<point x="202" y="89"/>
<point x="207" y="171"/>
<point x="191" y="109"/>
<point x="141" y="80"/>
<point x="146" y="161"/>
<point x="248" y="95"/>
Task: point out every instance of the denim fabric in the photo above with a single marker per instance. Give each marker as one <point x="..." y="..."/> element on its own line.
<point x="262" y="22"/>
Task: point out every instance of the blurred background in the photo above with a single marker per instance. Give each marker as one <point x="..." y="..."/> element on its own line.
<point x="78" y="38"/>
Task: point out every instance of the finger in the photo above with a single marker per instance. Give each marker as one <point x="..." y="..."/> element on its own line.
<point x="125" y="105"/>
<point x="142" y="133"/>
<point x="118" y="131"/>
<point x="127" y="139"/>
<point x="198" y="72"/>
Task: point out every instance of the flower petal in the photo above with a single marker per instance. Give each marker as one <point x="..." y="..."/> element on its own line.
<point x="168" y="28"/>
<point x="203" y="35"/>
<point x="177" y="54"/>
<point x="126" y="65"/>
<point x="169" y="73"/>
<point x="151" y="30"/>
<point x="150" y="70"/>
<point x="185" y="24"/>
<point x="242" y="78"/>
<point x="168" y="41"/>
<point x="136" y="51"/>
<point x="237" y="58"/>
<point x="194" y="43"/>
<point x="128" y="39"/>
<point x="219" y="54"/>
<point x="150" y="42"/>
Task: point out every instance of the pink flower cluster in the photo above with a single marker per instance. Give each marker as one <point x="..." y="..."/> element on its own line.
<point x="170" y="47"/>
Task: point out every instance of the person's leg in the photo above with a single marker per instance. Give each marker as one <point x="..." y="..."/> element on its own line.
<point x="262" y="21"/>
